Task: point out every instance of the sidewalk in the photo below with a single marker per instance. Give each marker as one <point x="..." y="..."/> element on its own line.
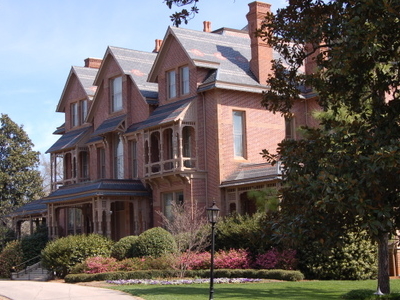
<point x="38" y="290"/>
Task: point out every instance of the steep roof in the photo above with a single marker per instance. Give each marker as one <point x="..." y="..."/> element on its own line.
<point x="85" y="78"/>
<point x="137" y="65"/>
<point x="226" y="52"/>
<point x="253" y="173"/>
<point x="70" y="139"/>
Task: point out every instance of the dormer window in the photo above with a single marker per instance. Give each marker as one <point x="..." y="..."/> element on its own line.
<point x="74" y="114"/>
<point x="84" y="110"/>
<point x="171" y="84"/>
<point x="184" y="76"/>
<point x="116" y="94"/>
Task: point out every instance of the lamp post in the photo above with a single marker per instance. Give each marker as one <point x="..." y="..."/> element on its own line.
<point x="212" y="215"/>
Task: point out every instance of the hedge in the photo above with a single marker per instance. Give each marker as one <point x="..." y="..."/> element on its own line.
<point x="222" y="273"/>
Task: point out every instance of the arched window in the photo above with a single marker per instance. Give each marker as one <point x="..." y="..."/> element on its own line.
<point x="118" y="158"/>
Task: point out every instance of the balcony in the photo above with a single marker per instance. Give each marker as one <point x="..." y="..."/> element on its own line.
<point x="169" y="166"/>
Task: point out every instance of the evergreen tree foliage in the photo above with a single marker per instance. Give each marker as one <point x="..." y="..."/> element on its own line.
<point x="343" y="176"/>
<point x="20" y="180"/>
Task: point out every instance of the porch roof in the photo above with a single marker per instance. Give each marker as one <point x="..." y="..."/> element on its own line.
<point x="163" y="114"/>
<point x="252" y="173"/>
<point x="69" y="139"/>
<point x="105" y="187"/>
<point x="36" y="207"/>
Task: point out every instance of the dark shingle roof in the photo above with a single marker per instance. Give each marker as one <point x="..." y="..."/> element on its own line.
<point x="228" y="54"/>
<point x="164" y="114"/>
<point x="86" y="76"/>
<point x="34" y="207"/>
<point x="253" y="173"/>
<point x="109" y="125"/>
<point x="105" y="187"/>
<point x="69" y="139"/>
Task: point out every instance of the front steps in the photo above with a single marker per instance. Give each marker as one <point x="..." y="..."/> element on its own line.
<point x="34" y="272"/>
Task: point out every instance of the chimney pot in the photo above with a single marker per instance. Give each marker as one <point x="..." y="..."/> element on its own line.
<point x="207" y="26"/>
<point x="94" y="63"/>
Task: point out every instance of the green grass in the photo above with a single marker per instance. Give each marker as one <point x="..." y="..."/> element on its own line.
<point x="303" y="290"/>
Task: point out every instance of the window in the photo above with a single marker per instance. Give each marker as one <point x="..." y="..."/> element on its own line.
<point x="171" y="83"/>
<point x="187" y="146"/>
<point x="116" y="94"/>
<point x="84" y="110"/>
<point x="239" y="133"/>
<point x="101" y="157"/>
<point x="168" y="200"/>
<point x="289" y="128"/>
<point x="168" y="149"/>
<point x="134" y="159"/>
<point x="84" y="162"/>
<point x="118" y="159"/>
<point x="184" y="72"/>
<point x="74" y="114"/>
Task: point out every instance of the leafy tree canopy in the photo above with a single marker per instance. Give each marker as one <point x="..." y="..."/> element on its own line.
<point x="20" y="180"/>
<point x="184" y="15"/>
<point x="345" y="174"/>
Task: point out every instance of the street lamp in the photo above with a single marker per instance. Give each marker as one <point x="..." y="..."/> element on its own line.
<point x="212" y="215"/>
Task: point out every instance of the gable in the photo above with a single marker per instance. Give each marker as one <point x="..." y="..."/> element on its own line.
<point x="79" y="86"/>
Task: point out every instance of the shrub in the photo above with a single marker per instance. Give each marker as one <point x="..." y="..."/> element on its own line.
<point x="155" y="242"/>
<point x="195" y="261"/>
<point x="32" y="245"/>
<point x="150" y="274"/>
<point x="125" y="247"/>
<point x="99" y="264"/>
<point x="274" y="259"/>
<point x="10" y="257"/>
<point x="232" y="259"/>
<point x="355" y="260"/>
<point x="61" y="255"/>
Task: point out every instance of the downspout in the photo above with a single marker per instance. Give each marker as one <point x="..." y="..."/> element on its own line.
<point x="205" y="145"/>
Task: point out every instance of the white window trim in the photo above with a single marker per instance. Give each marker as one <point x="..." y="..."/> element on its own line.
<point x="116" y="94"/>
<point x="171" y="84"/>
<point x="239" y="135"/>
<point x="184" y="80"/>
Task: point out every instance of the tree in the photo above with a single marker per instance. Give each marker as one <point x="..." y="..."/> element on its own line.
<point x="188" y="226"/>
<point x="45" y="170"/>
<point x="20" y="180"/>
<point x="184" y="15"/>
<point x="344" y="175"/>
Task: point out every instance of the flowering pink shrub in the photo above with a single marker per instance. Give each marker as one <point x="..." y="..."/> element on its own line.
<point x="268" y="260"/>
<point x="232" y="259"/>
<point x="273" y="259"/>
<point x="195" y="261"/>
<point x="99" y="264"/>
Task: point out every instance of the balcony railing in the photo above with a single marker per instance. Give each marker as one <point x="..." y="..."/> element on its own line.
<point x="170" y="165"/>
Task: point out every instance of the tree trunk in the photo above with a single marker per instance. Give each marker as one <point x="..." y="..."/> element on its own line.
<point x="383" y="263"/>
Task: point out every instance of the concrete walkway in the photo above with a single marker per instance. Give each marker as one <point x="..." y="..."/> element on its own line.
<point x="36" y="290"/>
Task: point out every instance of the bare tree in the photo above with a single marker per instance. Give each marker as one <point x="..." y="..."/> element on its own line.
<point x="190" y="229"/>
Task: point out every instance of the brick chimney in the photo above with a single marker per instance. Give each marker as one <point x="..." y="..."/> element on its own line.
<point x="158" y="46"/>
<point x="94" y="63"/>
<point x="207" y="26"/>
<point x="261" y="53"/>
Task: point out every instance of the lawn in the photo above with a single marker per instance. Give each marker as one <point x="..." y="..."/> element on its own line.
<point x="303" y="290"/>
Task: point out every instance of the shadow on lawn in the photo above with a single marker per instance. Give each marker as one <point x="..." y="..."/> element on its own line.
<point x="235" y="292"/>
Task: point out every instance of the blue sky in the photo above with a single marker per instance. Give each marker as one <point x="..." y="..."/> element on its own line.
<point x="41" y="39"/>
